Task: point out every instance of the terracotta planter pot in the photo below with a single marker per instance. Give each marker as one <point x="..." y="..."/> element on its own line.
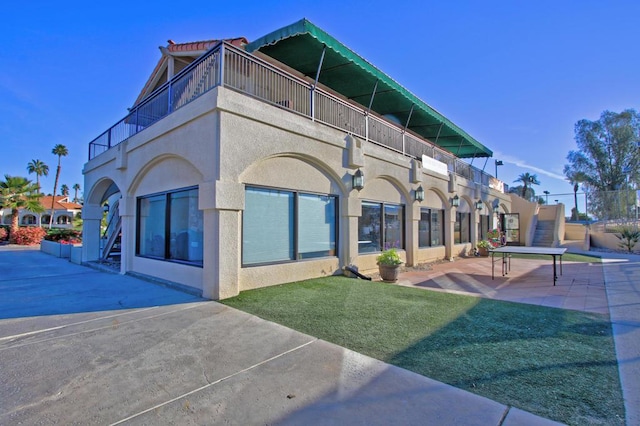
<point x="483" y="251"/>
<point x="389" y="272"/>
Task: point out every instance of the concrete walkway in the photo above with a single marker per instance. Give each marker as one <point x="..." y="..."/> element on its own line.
<point x="79" y="346"/>
<point x="622" y="275"/>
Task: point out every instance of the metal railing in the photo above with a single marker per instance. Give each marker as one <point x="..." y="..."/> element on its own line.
<point x="226" y="65"/>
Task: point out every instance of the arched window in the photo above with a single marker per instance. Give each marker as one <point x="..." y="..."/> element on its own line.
<point x="28" y="219"/>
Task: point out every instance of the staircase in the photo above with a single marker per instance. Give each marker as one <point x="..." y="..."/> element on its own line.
<point x="543" y="236"/>
<point x="110" y="244"/>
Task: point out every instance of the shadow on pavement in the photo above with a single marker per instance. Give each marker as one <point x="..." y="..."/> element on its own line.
<point x="36" y="284"/>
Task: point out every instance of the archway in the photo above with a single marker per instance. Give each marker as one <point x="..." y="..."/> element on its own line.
<point x="101" y="226"/>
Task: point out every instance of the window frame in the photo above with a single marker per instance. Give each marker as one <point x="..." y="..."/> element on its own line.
<point x="167" y="227"/>
<point x="430" y="211"/>
<point x="382" y="243"/>
<point x="458" y="228"/>
<point x="295" y="220"/>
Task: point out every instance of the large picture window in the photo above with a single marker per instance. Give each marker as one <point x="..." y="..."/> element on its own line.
<point x="281" y="226"/>
<point x="380" y="227"/>
<point x="170" y="226"/>
<point x="430" y="229"/>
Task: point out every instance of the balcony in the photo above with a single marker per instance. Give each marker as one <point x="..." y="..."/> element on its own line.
<point x="228" y="66"/>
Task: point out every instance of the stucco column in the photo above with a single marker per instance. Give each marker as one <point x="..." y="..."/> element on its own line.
<point x="127" y="211"/>
<point x="450" y="219"/>
<point x="352" y="212"/>
<point x="474" y="227"/>
<point x="91" y="218"/>
<point x="229" y="249"/>
<point x="221" y="202"/>
<point x="413" y="218"/>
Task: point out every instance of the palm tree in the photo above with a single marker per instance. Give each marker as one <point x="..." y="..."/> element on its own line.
<point x="64" y="190"/>
<point x="76" y="188"/>
<point x="575" y="179"/>
<point x="527" y="179"/>
<point x="17" y="193"/>
<point x="39" y="168"/>
<point x="61" y="151"/>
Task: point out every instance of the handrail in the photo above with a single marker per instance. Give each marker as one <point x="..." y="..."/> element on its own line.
<point x="225" y="64"/>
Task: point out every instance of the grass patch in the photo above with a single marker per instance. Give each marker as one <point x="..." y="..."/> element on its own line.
<point x="556" y="363"/>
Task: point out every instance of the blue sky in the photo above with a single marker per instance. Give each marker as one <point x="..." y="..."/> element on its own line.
<point x="515" y="75"/>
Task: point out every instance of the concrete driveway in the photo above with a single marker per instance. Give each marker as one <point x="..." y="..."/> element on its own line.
<point x="79" y="346"/>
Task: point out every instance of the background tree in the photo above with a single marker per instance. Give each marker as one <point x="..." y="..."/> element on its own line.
<point x="76" y="188"/>
<point x="60" y="151"/>
<point x="526" y="191"/>
<point x="64" y="190"/>
<point x="19" y="193"/>
<point x="40" y="169"/>
<point x="607" y="158"/>
<point x="529" y="193"/>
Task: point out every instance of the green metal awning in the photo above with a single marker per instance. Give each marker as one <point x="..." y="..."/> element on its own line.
<point x="300" y="46"/>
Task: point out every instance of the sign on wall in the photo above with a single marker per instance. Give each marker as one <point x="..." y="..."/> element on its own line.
<point x="434" y="165"/>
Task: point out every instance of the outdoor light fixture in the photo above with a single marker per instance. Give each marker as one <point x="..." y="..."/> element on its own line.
<point x="357" y="180"/>
<point x="420" y="194"/>
<point x="479" y="204"/>
<point x="455" y="201"/>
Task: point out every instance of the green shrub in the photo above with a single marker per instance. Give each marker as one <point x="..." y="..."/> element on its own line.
<point x="70" y="236"/>
<point x="389" y="257"/>
<point x="628" y="238"/>
<point x="485" y="244"/>
<point x="4" y="233"/>
<point x="28" y="236"/>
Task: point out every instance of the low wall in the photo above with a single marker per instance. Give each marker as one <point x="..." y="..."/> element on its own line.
<point x="76" y="254"/>
<point x="574" y="231"/>
<point x="65" y="251"/>
<point x="606" y="240"/>
<point x="55" y="249"/>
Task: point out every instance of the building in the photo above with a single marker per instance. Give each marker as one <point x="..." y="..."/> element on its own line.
<point x="64" y="211"/>
<point x="248" y="164"/>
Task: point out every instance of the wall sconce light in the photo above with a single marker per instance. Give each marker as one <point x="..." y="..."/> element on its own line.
<point x="420" y="194"/>
<point x="105" y="208"/>
<point x="357" y="180"/>
<point x="455" y="201"/>
<point x="479" y="204"/>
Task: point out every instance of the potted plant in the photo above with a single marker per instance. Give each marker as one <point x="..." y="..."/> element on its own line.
<point x="483" y="247"/>
<point x="389" y="263"/>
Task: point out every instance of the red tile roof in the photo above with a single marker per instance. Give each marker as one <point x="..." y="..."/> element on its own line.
<point x="60" y="203"/>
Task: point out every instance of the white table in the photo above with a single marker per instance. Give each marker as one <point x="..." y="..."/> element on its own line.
<point x="507" y="251"/>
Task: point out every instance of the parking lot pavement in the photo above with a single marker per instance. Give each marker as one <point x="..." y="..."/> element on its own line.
<point x="84" y="347"/>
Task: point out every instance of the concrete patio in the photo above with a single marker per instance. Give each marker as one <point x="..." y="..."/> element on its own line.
<point x="580" y="287"/>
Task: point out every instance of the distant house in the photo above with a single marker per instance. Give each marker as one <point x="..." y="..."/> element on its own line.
<point x="244" y="165"/>
<point x="64" y="211"/>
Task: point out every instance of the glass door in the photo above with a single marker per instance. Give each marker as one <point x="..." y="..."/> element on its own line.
<point x="511" y="227"/>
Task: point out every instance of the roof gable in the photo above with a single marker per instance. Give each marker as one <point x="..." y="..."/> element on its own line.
<point x="181" y="55"/>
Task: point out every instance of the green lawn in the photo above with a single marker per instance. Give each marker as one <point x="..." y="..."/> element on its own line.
<point x="556" y="363"/>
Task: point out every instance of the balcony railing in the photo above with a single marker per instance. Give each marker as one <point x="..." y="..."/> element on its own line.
<point x="226" y="65"/>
